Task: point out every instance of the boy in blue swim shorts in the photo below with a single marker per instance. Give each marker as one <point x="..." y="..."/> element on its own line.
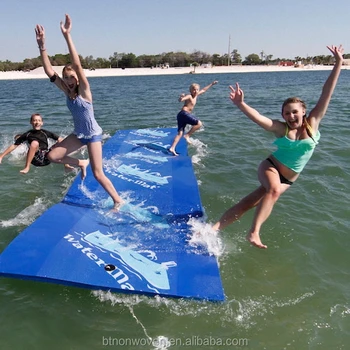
<point x="185" y="116"/>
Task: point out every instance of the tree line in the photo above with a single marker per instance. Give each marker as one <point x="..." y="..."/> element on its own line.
<point x="169" y="59"/>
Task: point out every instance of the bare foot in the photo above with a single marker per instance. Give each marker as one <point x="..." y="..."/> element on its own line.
<point x="171" y="150"/>
<point x="68" y="168"/>
<point x="24" y="171"/>
<point x="187" y="138"/>
<point x="83" y="167"/>
<point x="254" y="239"/>
<point x="117" y="207"/>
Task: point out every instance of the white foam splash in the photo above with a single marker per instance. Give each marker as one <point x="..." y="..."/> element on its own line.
<point x="201" y="150"/>
<point x="203" y="234"/>
<point x="27" y="215"/>
<point x="248" y="308"/>
<point x="343" y="310"/>
<point x="86" y="191"/>
<point x="161" y="343"/>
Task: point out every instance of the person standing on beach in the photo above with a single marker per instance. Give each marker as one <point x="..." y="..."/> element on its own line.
<point x="37" y="139"/>
<point x="296" y="139"/>
<point x="76" y="87"/>
<point x="185" y="116"/>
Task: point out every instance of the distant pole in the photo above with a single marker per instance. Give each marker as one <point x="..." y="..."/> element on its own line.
<point x="229" y="50"/>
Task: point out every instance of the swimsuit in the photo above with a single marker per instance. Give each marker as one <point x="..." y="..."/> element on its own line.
<point x="184" y="118"/>
<point x="294" y="154"/>
<point x="40" y="157"/>
<point x="282" y="178"/>
<point x="85" y="124"/>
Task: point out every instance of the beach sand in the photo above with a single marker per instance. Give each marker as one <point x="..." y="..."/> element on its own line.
<point x="39" y="73"/>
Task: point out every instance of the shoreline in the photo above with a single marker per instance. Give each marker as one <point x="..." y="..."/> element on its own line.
<point x="39" y="73"/>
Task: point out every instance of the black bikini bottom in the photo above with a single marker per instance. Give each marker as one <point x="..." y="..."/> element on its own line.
<point x="282" y="178"/>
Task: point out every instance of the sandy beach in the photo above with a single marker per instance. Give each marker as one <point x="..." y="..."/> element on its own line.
<point x="38" y="73"/>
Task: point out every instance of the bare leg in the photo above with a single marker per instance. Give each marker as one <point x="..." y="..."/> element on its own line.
<point x="95" y="154"/>
<point x="234" y="213"/>
<point x="192" y="130"/>
<point x="33" y="147"/>
<point x="175" y="142"/>
<point x="59" y="154"/>
<point x="269" y="177"/>
<point x="262" y="212"/>
<point x="68" y="168"/>
<point x="264" y="198"/>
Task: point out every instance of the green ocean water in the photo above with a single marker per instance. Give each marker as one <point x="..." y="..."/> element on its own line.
<point x="294" y="295"/>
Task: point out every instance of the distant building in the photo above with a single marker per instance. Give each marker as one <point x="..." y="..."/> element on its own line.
<point x="286" y="63"/>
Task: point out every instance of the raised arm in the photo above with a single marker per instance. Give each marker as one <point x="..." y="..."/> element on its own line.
<point x="40" y="38"/>
<point x="205" y="89"/>
<point x="237" y="97"/>
<point x="84" y="87"/>
<point x="318" y="112"/>
<point x="184" y="97"/>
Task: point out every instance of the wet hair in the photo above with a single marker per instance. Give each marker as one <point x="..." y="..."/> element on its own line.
<point x="35" y="115"/>
<point x="303" y="104"/>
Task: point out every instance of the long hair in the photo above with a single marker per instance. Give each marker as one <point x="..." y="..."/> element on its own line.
<point x="308" y="127"/>
<point x="69" y="68"/>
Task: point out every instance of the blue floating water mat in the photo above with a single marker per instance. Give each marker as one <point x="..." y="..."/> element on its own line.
<point x="144" y="247"/>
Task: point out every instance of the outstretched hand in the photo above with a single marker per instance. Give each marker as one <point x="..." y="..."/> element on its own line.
<point x="337" y="52"/>
<point x="236" y="95"/>
<point x="67" y="26"/>
<point x="40" y="35"/>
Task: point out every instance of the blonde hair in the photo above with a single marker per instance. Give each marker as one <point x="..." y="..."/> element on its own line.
<point x="303" y="104"/>
<point x="193" y="86"/>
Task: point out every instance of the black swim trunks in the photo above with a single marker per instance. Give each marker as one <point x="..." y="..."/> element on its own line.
<point x="40" y="158"/>
<point x="282" y="178"/>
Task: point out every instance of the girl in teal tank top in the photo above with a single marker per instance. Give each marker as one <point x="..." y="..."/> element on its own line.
<point x="296" y="139"/>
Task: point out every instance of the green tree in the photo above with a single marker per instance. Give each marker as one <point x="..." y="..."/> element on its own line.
<point x="268" y="58"/>
<point x="128" y="61"/>
<point x="252" y="59"/>
<point x="236" y="57"/>
<point x="115" y="59"/>
<point x="216" y="60"/>
<point x="60" y="60"/>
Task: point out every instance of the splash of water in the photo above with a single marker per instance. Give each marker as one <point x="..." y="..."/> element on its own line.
<point x="202" y="234"/>
<point x="200" y="151"/>
<point x="27" y="215"/>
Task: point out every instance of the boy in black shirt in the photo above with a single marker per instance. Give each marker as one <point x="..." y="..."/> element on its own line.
<point x="37" y="139"/>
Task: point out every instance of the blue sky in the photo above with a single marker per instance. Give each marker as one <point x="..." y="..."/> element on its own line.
<point x="280" y="28"/>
